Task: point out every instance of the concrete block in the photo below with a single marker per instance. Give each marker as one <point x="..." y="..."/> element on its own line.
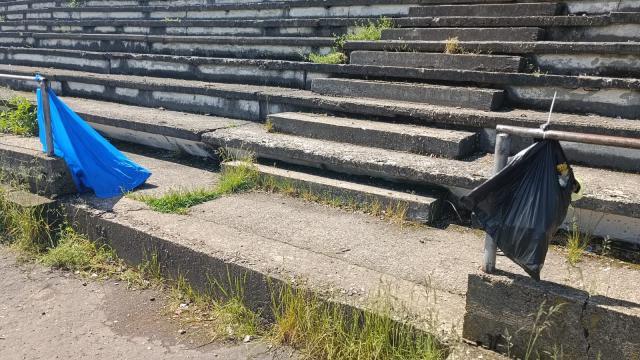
<point x="400" y="137"/>
<point x="464" y="34"/>
<point x="498" y="10"/>
<point x="501" y="314"/>
<point x="467" y="97"/>
<point x="22" y="161"/>
<point x="420" y="208"/>
<point x="475" y="62"/>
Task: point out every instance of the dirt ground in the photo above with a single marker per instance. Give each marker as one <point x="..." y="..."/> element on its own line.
<point x="50" y="314"/>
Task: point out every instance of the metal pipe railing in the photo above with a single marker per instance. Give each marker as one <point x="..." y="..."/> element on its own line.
<point x="44" y="85"/>
<point x="503" y="149"/>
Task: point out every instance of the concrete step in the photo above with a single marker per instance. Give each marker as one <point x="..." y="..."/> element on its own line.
<point x="240" y="10"/>
<point x="316" y="27"/>
<point x="457" y="176"/>
<point x="420" y="208"/>
<point x="557" y="57"/>
<point x="492" y="63"/>
<point x="250" y="102"/>
<point x="524" y="9"/>
<point x="400" y="137"/>
<point x="217" y="46"/>
<point x="467" y="97"/>
<point x="296" y="74"/>
<point x="464" y="34"/>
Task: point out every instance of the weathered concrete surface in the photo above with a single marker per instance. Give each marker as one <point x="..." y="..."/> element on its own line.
<point x="502" y="47"/>
<point x="531" y="9"/>
<point x="420" y="208"/>
<point x="493" y="63"/>
<point x="467" y="97"/>
<point x="589" y="326"/>
<point x="606" y="191"/>
<point x="346" y="256"/>
<point x="22" y="161"/>
<point x="48" y="314"/>
<point x="400" y="137"/>
<point x="299" y="74"/>
<point x="217" y="46"/>
<point x="464" y="34"/>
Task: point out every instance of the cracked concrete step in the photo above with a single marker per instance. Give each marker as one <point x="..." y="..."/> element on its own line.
<point x="400" y="137"/>
<point x="476" y="62"/>
<point x="464" y="34"/>
<point x="523" y="9"/>
<point x="421" y="208"/>
<point x="605" y="191"/>
<point x="218" y="46"/>
<point x="556" y="57"/>
<point x="466" y="97"/>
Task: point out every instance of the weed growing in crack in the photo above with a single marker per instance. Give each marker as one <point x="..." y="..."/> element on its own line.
<point x="369" y="31"/>
<point x="20" y="118"/>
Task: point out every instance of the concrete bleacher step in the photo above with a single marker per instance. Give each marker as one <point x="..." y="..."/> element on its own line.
<point x="400" y="137"/>
<point x="231" y="10"/>
<point x="322" y="27"/>
<point x="477" y="62"/>
<point x="602" y="188"/>
<point x="218" y="46"/>
<point x="466" y="97"/>
<point x="523" y="9"/>
<point x="464" y="34"/>
<point x="556" y="57"/>
<point x="420" y="208"/>
<point x="251" y="102"/>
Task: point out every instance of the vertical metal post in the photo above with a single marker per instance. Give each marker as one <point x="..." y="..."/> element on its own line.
<point x="46" y="111"/>
<point x="501" y="153"/>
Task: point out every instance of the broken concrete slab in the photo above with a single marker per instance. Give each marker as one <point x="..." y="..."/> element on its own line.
<point x="464" y="34"/>
<point x="419" y="208"/>
<point x="526" y="9"/>
<point x="477" y="62"/>
<point x="467" y="97"/>
<point x="400" y="137"/>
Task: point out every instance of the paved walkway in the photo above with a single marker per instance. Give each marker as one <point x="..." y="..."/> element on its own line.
<point x="47" y="314"/>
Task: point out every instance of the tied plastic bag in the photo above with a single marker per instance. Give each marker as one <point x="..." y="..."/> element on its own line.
<point x="94" y="163"/>
<point x="523" y="205"/>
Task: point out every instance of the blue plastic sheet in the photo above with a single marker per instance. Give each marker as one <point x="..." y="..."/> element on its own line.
<point x="94" y="163"/>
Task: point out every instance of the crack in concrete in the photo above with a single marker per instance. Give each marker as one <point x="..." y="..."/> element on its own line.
<point x="585" y="328"/>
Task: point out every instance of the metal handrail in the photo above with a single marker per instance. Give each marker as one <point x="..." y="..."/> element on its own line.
<point x="503" y="149"/>
<point x="44" y="85"/>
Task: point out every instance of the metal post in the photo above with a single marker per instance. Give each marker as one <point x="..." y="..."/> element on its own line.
<point x="502" y="150"/>
<point x="46" y="111"/>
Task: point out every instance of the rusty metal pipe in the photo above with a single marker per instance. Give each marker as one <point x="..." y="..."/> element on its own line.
<point x="606" y="140"/>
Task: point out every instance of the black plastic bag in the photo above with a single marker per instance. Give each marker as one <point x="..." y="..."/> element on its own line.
<point x="523" y="205"/>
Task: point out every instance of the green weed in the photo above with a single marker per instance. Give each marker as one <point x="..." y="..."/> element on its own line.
<point x="324" y="331"/>
<point x="577" y="244"/>
<point x="20" y="118"/>
<point x="334" y="57"/>
<point x="371" y="31"/>
<point x="76" y="252"/>
<point x="25" y="228"/>
<point x="452" y="46"/>
<point x="232" y="180"/>
<point x="223" y="309"/>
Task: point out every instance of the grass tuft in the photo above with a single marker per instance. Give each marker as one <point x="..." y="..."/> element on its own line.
<point x="75" y="252"/>
<point x="325" y="331"/>
<point x="20" y="118"/>
<point x="370" y="31"/>
<point x="334" y="57"/>
<point x="577" y="244"/>
<point x="25" y="228"/>
<point x="222" y="308"/>
<point x="452" y="46"/>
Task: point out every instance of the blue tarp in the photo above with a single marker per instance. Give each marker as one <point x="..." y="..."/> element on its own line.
<point x="94" y="163"/>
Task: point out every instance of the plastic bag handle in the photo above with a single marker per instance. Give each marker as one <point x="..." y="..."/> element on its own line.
<point x="546" y="125"/>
